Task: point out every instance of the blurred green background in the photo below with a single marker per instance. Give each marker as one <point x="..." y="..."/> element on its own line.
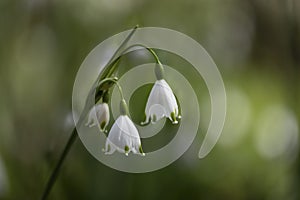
<point x="255" y="44"/>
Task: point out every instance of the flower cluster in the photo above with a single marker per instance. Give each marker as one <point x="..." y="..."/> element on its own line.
<point x="123" y="135"/>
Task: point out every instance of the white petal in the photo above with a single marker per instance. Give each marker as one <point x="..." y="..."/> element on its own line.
<point x="168" y="98"/>
<point x="102" y="112"/>
<point x="123" y="134"/>
<point x="157" y="112"/>
<point x="92" y="118"/>
<point x="99" y="113"/>
<point x="161" y="101"/>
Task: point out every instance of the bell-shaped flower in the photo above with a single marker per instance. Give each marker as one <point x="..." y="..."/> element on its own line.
<point x="161" y="103"/>
<point x="99" y="114"/>
<point x="123" y="136"/>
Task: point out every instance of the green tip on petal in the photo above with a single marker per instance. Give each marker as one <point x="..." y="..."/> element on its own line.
<point x="126" y="149"/>
<point x="102" y="125"/>
<point x="154" y="118"/>
<point x="173" y="117"/>
<point x="141" y="150"/>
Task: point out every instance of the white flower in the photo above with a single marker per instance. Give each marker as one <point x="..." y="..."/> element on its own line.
<point x="100" y="113"/>
<point x="123" y="137"/>
<point x="161" y="103"/>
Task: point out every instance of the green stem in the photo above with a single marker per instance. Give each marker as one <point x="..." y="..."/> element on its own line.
<point x="112" y="59"/>
<point x="148" y="48"/>
<point x="115" y="63"/>
<point x="116" y="82"/>
<point x="74" y="134"/>
<point x="56" y="170"/>
<point x="109" y="70"/>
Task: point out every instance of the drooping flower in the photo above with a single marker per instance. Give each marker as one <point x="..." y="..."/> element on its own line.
<point x="123" y="136"/>
<point x="100" y="113"/>
<point x="161" y="101"/>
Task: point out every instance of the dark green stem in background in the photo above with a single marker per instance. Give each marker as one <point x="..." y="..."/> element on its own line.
<point x="55" y="172"/>
<point x="74" y="134"/>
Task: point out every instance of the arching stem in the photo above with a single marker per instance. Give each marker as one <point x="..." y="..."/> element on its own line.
<point x="74" y="134"/>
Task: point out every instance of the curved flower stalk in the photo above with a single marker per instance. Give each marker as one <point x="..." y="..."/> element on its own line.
<point x="161" y="101"/>
<point x="123" y="136"/>
<point x="100" y="113"/>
